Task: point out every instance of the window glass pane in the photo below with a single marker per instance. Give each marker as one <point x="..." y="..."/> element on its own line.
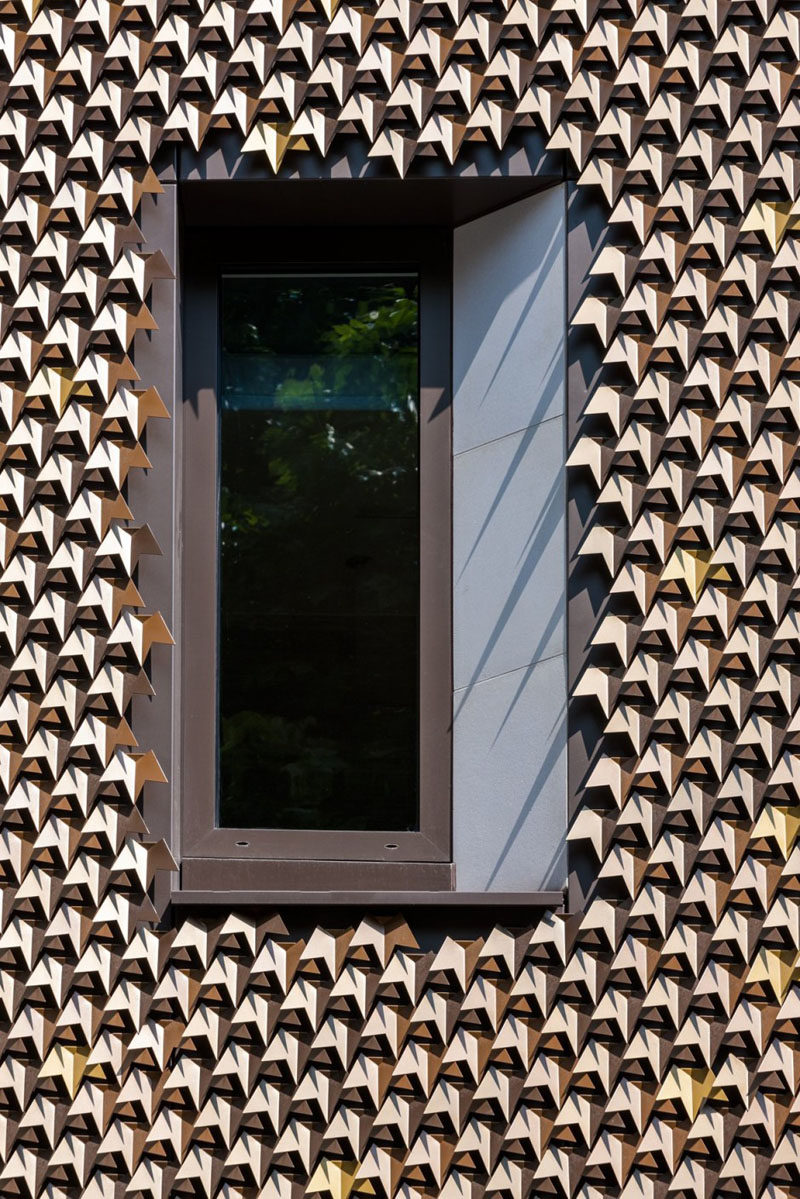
<point x="319" y="552"/>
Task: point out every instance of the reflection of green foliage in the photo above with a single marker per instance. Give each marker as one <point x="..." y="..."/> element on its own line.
<point x="387" y="326"/>
<point x="290" y="316"/>
<point x="318" y="511"/>
<point x="386" y="335"/>
<point x="381" y="335"/>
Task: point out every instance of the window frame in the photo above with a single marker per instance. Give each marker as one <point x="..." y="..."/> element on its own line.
<point x="230" y="858"/>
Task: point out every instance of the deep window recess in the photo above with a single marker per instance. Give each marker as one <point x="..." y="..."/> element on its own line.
<point x="315" y="637"/>
<point x="497" y="834"/>
<point x="318" y="551"/>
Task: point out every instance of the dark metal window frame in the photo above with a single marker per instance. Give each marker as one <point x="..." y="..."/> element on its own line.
<point x="233" y="859"/>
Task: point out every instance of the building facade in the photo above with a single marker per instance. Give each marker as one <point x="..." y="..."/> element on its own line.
<point x="580" y="976"/>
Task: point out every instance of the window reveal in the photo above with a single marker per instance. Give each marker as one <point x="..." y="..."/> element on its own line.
<point x="319" y="552"/>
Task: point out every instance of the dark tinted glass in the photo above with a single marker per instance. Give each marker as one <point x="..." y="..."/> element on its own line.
<point x="319" y="552"/>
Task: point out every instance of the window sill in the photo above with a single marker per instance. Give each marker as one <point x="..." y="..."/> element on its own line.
<point x="472" y="899"/>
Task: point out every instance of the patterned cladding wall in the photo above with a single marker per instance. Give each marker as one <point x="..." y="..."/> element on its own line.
<point x="648" y="1046"/>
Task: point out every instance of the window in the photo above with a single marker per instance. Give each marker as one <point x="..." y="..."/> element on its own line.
<point x="316" y="463"/>
<point x="319" y="551"/>
<point x="347" y="724"/>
